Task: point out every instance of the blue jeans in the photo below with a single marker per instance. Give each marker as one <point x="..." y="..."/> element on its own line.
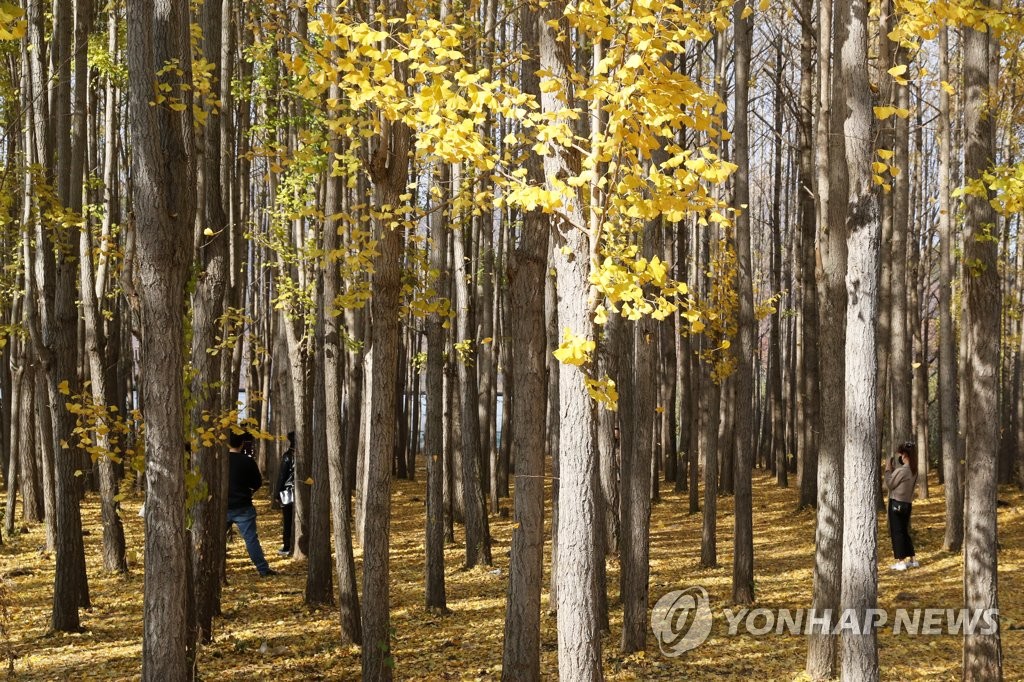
<point x="245" y="519"/>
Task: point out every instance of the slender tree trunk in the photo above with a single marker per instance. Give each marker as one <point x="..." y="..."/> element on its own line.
<point x="207" y="310"/>
<point x="478" y="541"/>
<point x="743" y="540"/>
<point x="948" y="383"/>
<point x="982" y="652"/>
<point x="110" y="507"/>
<point x="344" y="561"/>
<point x="830" y="273"/>
<point x="527" y="268"/>
<point x="319" y="582"/>
<point x="436" y="596"/>
<point x="861" y="473"/>
<point x="163" y="174"/>
<point x="389" y="171"/>
<point x="579" y="644"/>
<point x="637" y="476"/>
<point x="809" y="395"/>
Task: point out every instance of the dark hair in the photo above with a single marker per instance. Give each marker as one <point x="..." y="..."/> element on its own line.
<point x="291" y="438"/>
<point x="236" y="440"/>
<point x="909" y="451"/>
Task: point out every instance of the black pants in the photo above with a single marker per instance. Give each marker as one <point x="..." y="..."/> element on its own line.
<point x="288" y="523"/>
<point x="899" y="529"/>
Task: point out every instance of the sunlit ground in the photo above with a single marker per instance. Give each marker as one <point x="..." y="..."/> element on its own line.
<point x="267" y="633"/>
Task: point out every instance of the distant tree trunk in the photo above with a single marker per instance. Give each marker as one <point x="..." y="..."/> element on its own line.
<point x="436" y="596"/>
<point x="948" y="417"/>
<point x="56" y="339"/>
<point x="527" y="268"/>
<point x="861" y="473"/>
<point x="982" y="652"/>
<point x="319" y="583"/>
<point x="778" y="414"/>
<point x="809" y="395"/>
<point x="163" y="174"/>
<point x="727" y="435"/>
<point x="341" y="518"/>
<point x="552" y="421"/>
<point x="478" y="541"/>
<point x="743" y="540"/>
<point x="102" y="394"/>
<point x="709" y="416"/>
<point x="900" y="371"/>
<point x="27" y="480"/>
<point x="207" y="328"/>
<point x="18" y="412"/>
<point x="830" y="273"/>
<point x="608" y="443"/>
<point x="635" y="539"/>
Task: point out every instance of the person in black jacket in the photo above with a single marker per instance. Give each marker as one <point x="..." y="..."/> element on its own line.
<point x="285" y="494"/>
<point x="243" y="480"/>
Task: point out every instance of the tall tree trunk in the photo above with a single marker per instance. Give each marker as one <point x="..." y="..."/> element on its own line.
<point x="809" y="395"/>
<point x="830" y="273"/>
<point x="861" y="473"/>
<point x="743" y="541"/>
<point x="319" y="583"/>
<point x="900" y="371"/>
<point x="982" y="652"/>
<point x="163" y="175"/>
<point x="388" y="169"/>
<point x="436" y="595"/>
<point x="527" y="268"/>
<point x="948" y="383"/>
<point x="102" y="395"/>
<point x="579" y="644"/>
<point x="56" y="292"/>
<point x="207" y="310"/>
<point x="635" y="539"/>
<point x="478" y="541"/>
<point x="341" y="517"/>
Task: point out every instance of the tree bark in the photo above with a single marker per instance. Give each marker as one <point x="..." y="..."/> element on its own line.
<point x="341" y="517"/>
<point x="809" y="395"/>
<point x="527" y="268"/>
<point x="861" y="473"/>
<point x="982" y="652"/>
<point x="478" y="541"/>
<point x="163" y="173"/>
<point x="388" y="169"/>
<point x="436" y="593"/>
<point x="948" y="416"/>
<point x="830" y="273"/>
<point x="743" y="541"/>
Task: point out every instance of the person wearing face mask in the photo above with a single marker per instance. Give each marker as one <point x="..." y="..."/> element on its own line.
<point x="900" y="480"/>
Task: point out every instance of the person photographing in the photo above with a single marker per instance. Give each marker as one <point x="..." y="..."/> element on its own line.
<point x="244" y="479"/>
<point x="900" y="480"/>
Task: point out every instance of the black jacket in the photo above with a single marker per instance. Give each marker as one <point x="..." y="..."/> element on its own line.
<point x="244" y="479"/>
<point x="286" y="475"/>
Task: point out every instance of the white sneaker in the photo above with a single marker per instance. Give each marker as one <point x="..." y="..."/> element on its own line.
<point x="899" y="566"/>
<point x="913" y="563"/>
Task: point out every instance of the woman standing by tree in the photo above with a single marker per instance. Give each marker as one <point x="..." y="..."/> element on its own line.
<point x="900" y="481"/>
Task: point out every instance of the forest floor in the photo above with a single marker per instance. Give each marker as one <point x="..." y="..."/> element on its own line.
<point x="267" y="633"/>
